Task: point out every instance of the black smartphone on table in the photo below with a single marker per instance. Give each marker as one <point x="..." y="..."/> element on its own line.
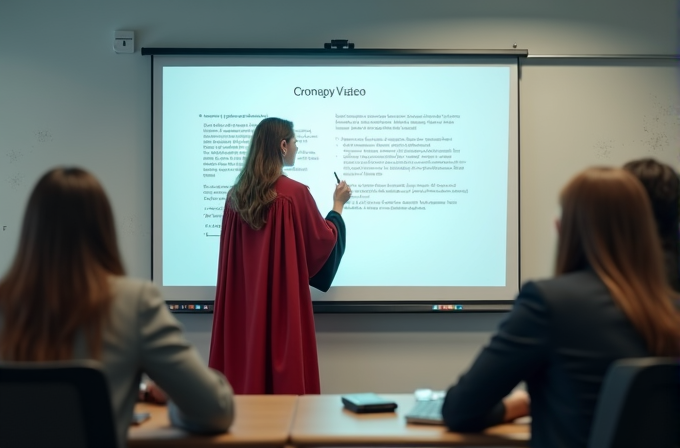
<point x="367" y="402"/>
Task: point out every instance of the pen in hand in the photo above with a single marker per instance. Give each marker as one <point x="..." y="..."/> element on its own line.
<point x="342" y="194"/>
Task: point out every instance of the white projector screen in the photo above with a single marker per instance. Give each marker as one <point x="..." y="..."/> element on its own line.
<point x="428" y="144"/>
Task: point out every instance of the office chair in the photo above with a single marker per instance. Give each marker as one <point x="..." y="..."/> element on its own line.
<point x="639" y="405"/>
<point x="54" y="405"/>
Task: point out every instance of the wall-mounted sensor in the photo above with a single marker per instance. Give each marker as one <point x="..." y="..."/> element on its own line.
<point x="124" y="42"/>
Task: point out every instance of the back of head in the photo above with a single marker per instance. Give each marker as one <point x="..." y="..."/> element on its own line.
<point x="607" y="225"/>
<point x="58" y="281"/>
<point x="254" y="191"/>
<point x="663" y="188"/>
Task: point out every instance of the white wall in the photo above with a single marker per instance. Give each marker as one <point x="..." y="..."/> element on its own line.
<point x="67" y="98"/>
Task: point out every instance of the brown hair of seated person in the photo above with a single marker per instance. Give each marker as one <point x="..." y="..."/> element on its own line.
<point x="663" y="188"/>
<point x="58" y="282"/>
<point x="607" y="224"/>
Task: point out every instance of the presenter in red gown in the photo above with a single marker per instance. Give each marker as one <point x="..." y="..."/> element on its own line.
<point x="274" y="245"/>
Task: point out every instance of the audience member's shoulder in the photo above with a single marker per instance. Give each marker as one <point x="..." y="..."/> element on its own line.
<point x="132" y="289"/>
<point x="569" y="279"/>
<point x="576" y="286"/>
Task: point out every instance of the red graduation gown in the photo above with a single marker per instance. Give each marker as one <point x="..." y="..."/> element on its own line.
<point x="263" y="336"/>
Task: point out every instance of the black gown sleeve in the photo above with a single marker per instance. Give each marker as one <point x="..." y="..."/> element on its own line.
<point x="322" y="280"/>
<point x="515" y="352"/>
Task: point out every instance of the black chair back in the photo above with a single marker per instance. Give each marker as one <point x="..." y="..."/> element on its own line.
<point x="639" y="405"/>
<point x="54" y="405"/>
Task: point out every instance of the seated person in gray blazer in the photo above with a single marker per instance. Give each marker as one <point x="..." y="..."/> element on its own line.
<point x="663" y="188"/>
<point x="609" y="300"/>
<point x="66" y="297"/>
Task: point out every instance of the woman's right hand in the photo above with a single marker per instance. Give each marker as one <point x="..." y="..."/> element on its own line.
<point x="341" y="195"/>
<point x="517" y="405"/>
<point x="151" y="393"/>
<point x="342" y="192"/>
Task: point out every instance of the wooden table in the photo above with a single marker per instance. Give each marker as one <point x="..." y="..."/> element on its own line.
<point x="261" y="420"/>
<point x="321" y="420"/>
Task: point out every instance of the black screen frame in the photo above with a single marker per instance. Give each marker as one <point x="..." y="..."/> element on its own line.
<point x="432" y="306"/>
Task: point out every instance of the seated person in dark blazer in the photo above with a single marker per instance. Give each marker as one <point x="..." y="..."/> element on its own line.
<point x="608" y="300"/>
<point x="663" y="188"/>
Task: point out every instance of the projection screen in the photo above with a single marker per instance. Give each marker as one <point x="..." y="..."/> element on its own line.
<point x="428" y="143"/>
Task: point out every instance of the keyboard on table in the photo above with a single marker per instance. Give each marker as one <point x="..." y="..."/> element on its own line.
<point x="427" y="412"/>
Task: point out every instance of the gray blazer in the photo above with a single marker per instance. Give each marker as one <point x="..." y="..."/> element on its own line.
<point x="142" y="336"/>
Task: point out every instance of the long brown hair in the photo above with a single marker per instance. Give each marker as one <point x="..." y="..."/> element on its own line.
<point x="254" y="191"/>
<point x="607" y="224"/>
<point x="59" y="282"/>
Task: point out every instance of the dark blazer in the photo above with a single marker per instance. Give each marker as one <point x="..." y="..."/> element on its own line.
<point x="670" y="258"/>
<point x="560" y="337"/>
